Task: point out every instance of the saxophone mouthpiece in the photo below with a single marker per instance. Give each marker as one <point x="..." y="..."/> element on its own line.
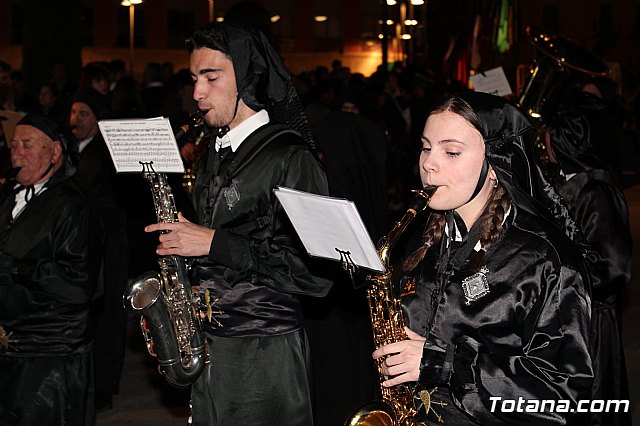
<point x="430" y="190"/>
<point x="421" y="198"/>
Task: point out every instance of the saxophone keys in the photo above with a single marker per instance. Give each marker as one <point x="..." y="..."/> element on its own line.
<point x="207" y="300"/>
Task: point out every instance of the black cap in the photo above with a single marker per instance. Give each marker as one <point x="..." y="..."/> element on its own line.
<point x="96" y="101"/>
<point x="46" y="125"/>
<point x="56" y="132"/>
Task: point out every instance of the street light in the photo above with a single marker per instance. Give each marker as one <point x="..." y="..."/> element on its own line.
<point x="400" y="30"/>
<point x="131" y="4"/>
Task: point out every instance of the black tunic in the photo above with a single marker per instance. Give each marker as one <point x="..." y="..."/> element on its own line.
<point x="601" y="212"/>
<point x="47" y="281"/>
<point x="256" y="270"/>
<point x="528" y="337"/>
<point x="581" y="135"/>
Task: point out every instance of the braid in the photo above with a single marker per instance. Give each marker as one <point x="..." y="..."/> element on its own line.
<point x="491" y="220"/>
<point x="432" y="234"/>
<point x="496" y="210"/>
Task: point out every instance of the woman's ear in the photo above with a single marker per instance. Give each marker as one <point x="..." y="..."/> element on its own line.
<point x="492" y="174"/>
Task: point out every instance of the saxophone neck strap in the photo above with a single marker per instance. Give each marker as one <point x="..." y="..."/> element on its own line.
<point x="264" y="137"/>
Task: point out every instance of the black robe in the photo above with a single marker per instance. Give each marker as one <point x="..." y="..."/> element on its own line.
<point x="354" y="156"/>
<point x="256" y="271"/>
<point x="257" y="261"/>
<point x="527" y="337"/>
<point x="48" y="277"/>
<point x="96" y="176"/>
<point x="601" y="212"/>
<point x="581" y="134"/>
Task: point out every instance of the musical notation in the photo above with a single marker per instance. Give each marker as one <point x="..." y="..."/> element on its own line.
<point x="142" y="140"/>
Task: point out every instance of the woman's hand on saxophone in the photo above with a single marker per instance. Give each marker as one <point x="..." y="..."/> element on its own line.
<point x="402" y="362"/>
<point x="182" y="238"/>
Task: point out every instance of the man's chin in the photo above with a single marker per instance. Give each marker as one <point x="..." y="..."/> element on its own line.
<point x="79" y="135"/>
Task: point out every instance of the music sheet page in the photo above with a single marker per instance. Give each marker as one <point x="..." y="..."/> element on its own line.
<point x="327" y="224"/>
<point x="133" y="141"/>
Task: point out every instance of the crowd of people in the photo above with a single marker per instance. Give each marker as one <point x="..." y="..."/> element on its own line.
<point x="510" y="289"/>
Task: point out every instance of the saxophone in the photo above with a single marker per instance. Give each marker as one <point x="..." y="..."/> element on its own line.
<point x="396" y="407"/>
<point x="170" y="322"/>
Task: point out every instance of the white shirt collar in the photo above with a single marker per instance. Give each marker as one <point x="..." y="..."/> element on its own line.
<point x="458" y="235"/>
<point x="83" y="144"/>
<point x="238" y="134"/>
<point x="21" y="201"/>
<point x="567" y="176"/>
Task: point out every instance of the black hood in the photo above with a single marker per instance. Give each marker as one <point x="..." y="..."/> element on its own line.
<point x="262" y="80"/>
<point x="581" y="132"/>
<point x="510" y="150"/>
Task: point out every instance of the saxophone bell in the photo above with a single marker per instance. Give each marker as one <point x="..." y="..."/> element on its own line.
<point x="170" y="320"/>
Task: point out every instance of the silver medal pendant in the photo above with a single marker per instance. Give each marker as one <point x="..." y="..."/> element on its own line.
<point x="476" y="286"/>
<point x="231" y="194"/>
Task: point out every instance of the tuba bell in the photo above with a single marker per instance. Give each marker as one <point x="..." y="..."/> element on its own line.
<point x="558" y="62"/>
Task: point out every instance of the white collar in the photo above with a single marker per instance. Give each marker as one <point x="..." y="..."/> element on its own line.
<point x="238" y="134"/>
<point x="567" y="176"/>
<point x="83" y="144"/>
<point x="21" y="201"/>
<point x="458" y="236"/>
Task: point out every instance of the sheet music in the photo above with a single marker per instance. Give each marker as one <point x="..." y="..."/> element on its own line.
<point x="325" y="224"/>
<point x="493" y="81"/>
<point x="134" y="140"/>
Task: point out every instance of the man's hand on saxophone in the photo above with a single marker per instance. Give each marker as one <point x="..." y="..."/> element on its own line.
<point x="403" y="359"/>
<point x="182" y="238"/>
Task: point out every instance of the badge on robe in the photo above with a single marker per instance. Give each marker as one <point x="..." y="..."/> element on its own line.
<point x="476" y="286"/>
<point x="231" y="194"/>
<point x="408" y="286"/>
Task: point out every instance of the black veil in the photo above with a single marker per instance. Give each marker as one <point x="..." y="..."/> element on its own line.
<point x="510" y="149"/>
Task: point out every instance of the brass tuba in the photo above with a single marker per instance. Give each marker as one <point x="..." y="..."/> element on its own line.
<point x="558" y="63"/>
<point x="396" y="407"/>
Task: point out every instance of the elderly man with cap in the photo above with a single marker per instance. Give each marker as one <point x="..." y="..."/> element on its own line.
<point x="47" y="281"/>
<point x="96" y="175"/>
<point x="247" y="255"/>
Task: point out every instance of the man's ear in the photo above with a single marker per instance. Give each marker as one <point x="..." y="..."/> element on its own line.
<point x="57" y="151"/>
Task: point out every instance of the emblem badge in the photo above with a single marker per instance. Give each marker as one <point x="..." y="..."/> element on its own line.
<point x="409" y="287"/>
<point x="231" y="194"/>
<point x="476" y="286"/>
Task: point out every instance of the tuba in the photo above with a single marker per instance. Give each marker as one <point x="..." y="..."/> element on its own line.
<point x="558" y="63"/>
<point x="170" y="322"/>
<point x="396" y="407"/>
